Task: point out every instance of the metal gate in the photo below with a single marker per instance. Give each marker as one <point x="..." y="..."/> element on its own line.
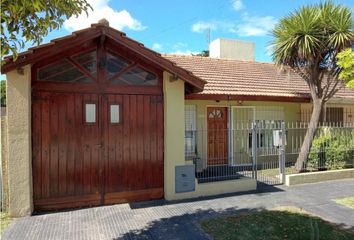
<point x="268" y="151"/>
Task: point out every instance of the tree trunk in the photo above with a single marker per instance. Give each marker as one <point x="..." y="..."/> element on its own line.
<point x="310" y="134"/>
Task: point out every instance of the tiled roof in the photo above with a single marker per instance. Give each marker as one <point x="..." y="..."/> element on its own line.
<point x="235" y="77"/>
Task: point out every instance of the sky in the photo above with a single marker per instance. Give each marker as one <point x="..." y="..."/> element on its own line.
<point x="182" y="26"/>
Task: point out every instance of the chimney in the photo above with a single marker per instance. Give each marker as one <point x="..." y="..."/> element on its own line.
<point x="103" y="22"/>
<point x="232" y="49"/>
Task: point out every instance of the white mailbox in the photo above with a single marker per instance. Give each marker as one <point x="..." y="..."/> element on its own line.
<point x="278" y="138"/>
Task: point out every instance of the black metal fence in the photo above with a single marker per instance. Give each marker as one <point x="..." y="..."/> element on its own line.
<point x="261" y="150"/>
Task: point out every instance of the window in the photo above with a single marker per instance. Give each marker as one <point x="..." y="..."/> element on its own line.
<point x="90" y="112"/>
<point x="265" y="133"/>
<point x="191" y="131"/>
<point x="88" y="61"/>
<point x="216" y="113"/>
<point x="115" y="64"/>
<point x="65" y="71"/>
<point x="334" y="115"/>
<point x="137" y="76"/>
<point x="115" y="114"/>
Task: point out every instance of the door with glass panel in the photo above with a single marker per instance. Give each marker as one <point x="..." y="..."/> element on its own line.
<point x="217" y="135"/>
<point x="133" y="147"/>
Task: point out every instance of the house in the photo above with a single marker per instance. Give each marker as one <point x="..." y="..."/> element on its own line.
<point x="96" y="118"/>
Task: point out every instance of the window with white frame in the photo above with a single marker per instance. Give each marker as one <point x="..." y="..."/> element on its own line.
<point x="190" y="114"/>
<point x="265" y="135"/>
<point x="268" y="119"/>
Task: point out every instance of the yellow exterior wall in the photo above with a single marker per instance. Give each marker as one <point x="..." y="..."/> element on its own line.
<point x="174" y="148"/>
<point x="220" y="187"/>
<point x="291" y="110"/>
<point x="174" y="131"/>
<point x="19" y="142"/>
<point x="320" y="176"/>
<point x="288" y="112"/>
<point x="348" y="111"/>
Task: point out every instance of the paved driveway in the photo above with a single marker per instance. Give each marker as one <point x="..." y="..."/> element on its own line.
<point x="161" y="220"/>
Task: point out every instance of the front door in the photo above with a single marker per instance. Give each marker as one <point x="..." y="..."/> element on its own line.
<point x="217" y="135"/>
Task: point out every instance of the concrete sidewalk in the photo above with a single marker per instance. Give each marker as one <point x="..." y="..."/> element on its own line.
<point x="162" y="220"/>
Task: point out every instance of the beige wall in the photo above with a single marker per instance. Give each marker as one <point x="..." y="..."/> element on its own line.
<point x="174" y="148"/>
<point x="174" y="131"/>
<point x="4" y="163"/>
<point x="313" y="177"/>
<point x="288" y="112"/>
<point x="348" y="111"/>
<point x="220" y="187"/>
<point x="19" y="142"/>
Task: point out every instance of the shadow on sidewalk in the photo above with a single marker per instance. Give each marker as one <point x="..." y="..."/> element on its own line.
<point x="261" y="190"/>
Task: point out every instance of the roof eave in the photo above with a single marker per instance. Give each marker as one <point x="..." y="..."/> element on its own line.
<point x="37" y="53"/>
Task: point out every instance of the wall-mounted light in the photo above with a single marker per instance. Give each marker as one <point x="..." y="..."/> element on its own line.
<point x="20" y="71"/>
<point x="173" y="78"/>
<point x="239" y="102"/>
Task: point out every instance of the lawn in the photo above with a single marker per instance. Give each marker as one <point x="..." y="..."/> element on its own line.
<point x="275" y="224"/>
<point x="348" y="201"/>
<point x="4" y="221"/>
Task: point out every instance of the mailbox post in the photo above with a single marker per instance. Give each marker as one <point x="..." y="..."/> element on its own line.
<point x="279" y="140"/>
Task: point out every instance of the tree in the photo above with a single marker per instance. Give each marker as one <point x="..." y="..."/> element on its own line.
<point x="346" y="63"/>
<point x="308" y="41"/>
<point x="204" y="53"/>
<point x="3" y="93"/>
<point x="29" y="21"/>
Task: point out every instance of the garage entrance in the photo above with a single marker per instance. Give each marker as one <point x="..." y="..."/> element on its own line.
<point x="97" y="127"/>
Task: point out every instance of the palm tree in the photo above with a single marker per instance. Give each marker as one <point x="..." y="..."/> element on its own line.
<point x="308" y="41"/>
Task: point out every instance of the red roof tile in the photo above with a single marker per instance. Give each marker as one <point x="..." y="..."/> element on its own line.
<point x="235" y="77"/>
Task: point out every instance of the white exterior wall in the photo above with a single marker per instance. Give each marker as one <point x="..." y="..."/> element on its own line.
<point x="232" y="49"/>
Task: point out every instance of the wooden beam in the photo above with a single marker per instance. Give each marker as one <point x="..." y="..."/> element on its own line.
<point x="156" y="58"/>
<point x="120" y="73"/>
<point x="58" y="47"/>
<point x="82" y="69"/>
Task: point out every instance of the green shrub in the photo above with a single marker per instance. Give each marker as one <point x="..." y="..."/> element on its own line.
<point x="331" y="149"/>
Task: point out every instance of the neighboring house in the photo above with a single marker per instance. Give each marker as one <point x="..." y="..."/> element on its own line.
<point x="243" y="92"/>
<point x="96" y="118"/>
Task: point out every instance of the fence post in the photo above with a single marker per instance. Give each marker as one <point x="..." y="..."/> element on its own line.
<point x="254" y="150"/>
<point x="282" y="153"/>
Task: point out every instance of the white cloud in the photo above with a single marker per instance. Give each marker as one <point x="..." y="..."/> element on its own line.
<point x="157" y="46"/>
<point x="200" y="27"/>
<point x="255" y="26"/>
<point x="179" y="45"/>
<point x="184" y="52"/>
<point x="117" y="19"/>
<point x="237" y="5"/>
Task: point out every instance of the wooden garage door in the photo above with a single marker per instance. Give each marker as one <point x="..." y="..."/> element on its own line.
<point x="116" y="155"/>
<point x="97" y="130"/>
